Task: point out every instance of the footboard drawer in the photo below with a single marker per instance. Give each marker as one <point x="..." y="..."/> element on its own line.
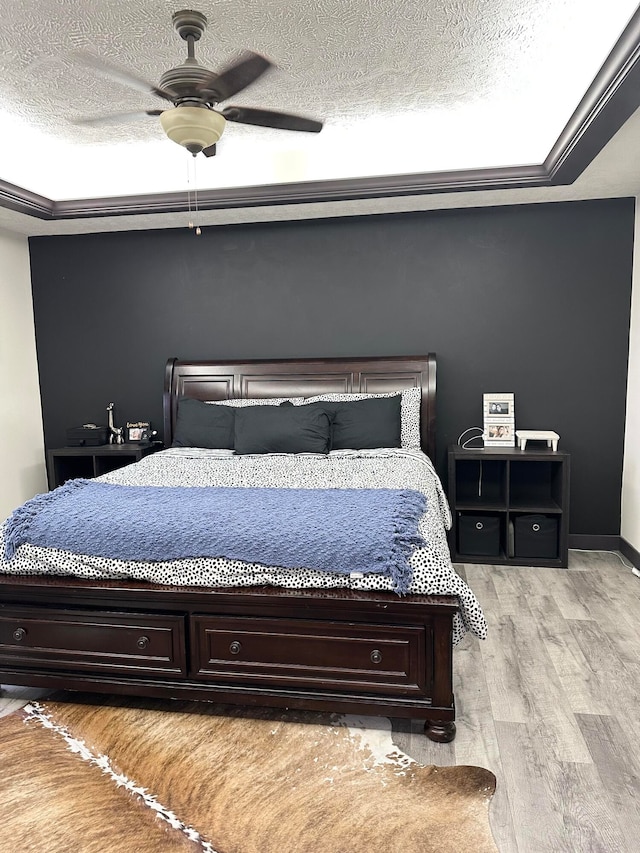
<point x="126" y="643"/>
<point x="382" y="659"/>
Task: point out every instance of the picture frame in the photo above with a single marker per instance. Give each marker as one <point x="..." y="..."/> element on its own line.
<point x="499" y="420"/>
<point x="500" y="431"/>
<point x="138" y="432"/>
<point x="500" y="408"/>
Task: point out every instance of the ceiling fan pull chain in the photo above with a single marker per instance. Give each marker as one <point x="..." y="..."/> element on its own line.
<point x="195" y="194"/>
<point x="189" y="191"/>
<point x="193" y="211"/>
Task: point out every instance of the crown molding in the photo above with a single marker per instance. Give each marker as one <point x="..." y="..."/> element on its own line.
<point x="611" y="99"/>
<point x="24" y="201"/>
<point x="310" y="191"/>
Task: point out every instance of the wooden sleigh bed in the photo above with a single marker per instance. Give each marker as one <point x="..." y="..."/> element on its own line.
<point x="332" y="650"/>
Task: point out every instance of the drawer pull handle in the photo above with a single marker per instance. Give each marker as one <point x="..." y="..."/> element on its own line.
<point x="19" y="634"/>
<point x="235" y="647"/>
<point x="376" y="656"/>
<point x="479" y="525"/>
<point x="536" y="527"/>
<point x="143" y="642"/>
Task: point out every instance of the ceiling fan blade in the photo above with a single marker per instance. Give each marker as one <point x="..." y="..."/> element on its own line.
<point x="235" y="77"/>
<point x="269" y="118"/>
<point x="210" y="151"/>
<point x="116" y="117"/>
<point x="122" y="75"/>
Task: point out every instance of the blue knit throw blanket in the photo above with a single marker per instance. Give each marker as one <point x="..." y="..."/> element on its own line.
<point x="334" y="530"/>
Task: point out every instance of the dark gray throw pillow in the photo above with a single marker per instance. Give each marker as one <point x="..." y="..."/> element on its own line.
<point x="201" y="425"/>
<point x="282" y="429"/>
<point x="362" y="424"/>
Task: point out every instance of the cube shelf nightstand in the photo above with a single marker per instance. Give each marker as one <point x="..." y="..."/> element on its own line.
<point x="66" y="463"/>
<point x="494" y="494"/>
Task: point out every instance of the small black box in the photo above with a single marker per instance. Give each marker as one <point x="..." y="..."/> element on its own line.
<point x="87" y="436"/>
<point x="479" y="535"/>
<point x="536" y="536"/>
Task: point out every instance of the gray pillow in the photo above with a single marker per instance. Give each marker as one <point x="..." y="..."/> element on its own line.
<point x="282" y="429"/>
<point x="201" y="425"/>
<point x="362" y="424"/>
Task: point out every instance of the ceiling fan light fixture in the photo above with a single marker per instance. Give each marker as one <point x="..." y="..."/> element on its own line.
<point x="194" y="128"/>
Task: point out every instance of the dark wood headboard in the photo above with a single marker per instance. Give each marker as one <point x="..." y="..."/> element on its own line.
<point x="225" y="380"/>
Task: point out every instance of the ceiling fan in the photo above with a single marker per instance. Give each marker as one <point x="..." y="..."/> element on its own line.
<point x="194" y="121"/>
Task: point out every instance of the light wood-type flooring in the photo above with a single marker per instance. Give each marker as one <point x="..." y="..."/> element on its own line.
<point x="550" y="702"/>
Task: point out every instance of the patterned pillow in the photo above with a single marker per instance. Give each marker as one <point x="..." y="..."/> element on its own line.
<point x="409" y="410"/>
<point x="261" y="401"/>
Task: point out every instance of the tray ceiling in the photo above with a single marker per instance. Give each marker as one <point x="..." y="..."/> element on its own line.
<point x="403" y="87"/>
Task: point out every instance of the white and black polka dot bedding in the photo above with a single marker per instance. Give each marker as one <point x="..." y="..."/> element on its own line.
<point x="433" y="573"/>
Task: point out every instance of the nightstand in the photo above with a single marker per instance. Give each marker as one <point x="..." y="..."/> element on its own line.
<point x="509" y="506"/>
<point x="66" y="463"/>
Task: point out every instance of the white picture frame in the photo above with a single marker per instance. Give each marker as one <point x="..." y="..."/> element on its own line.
<point x="499" y="419"/>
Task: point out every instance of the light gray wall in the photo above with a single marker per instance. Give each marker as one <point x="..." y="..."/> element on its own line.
<point x="22" y="466"/>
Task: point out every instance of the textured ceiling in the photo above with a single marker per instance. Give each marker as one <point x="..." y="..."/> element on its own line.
<point x="402" y="87"/>
<point x="343" y="61"/>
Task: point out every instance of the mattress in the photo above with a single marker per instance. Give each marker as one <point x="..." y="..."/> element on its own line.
<point x="394" y="468"/>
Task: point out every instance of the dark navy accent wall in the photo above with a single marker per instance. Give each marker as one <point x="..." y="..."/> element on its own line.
<point x="532" y="299"/>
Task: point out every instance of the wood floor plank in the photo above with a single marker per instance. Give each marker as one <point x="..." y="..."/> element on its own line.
<point x="501" y="668"/>
<point x="524" y="686"/>
<point x="557" y="806"/>
<point x="480" y="579"/>
<point x="584" y="690"/>
<point x="593" y="561"/>
<point x="582" y="561"/>
<point x="619" y="770"/>
<point x="551" y="712"/>
<point x="620" y="677"/>
<point x="537" y="823"/>
<point x="590" y="825"/>
<point x="625" y="686"/>
<point x="595" y="644"/>
<point x="616" y="613"/>
<point x="621" y="584"/>
<point x="559" y="585"/>
<point x="512" y="600"/>
<point x="510" y="701"/>
<point x="475" y="741"/>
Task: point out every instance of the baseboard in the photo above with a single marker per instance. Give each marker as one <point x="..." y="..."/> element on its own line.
<point x="588" y="542"/>
<point x="630" y="553"/>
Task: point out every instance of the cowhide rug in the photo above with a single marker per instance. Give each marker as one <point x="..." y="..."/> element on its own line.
<point x="147" y="777"/>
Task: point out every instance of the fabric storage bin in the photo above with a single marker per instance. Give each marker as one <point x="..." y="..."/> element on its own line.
<point x="536" y="536"/>
<point x="479" y="535"/>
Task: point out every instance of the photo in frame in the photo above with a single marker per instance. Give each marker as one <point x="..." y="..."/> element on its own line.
<point x="499" y="420"/>
<point x="138" y="431"/>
